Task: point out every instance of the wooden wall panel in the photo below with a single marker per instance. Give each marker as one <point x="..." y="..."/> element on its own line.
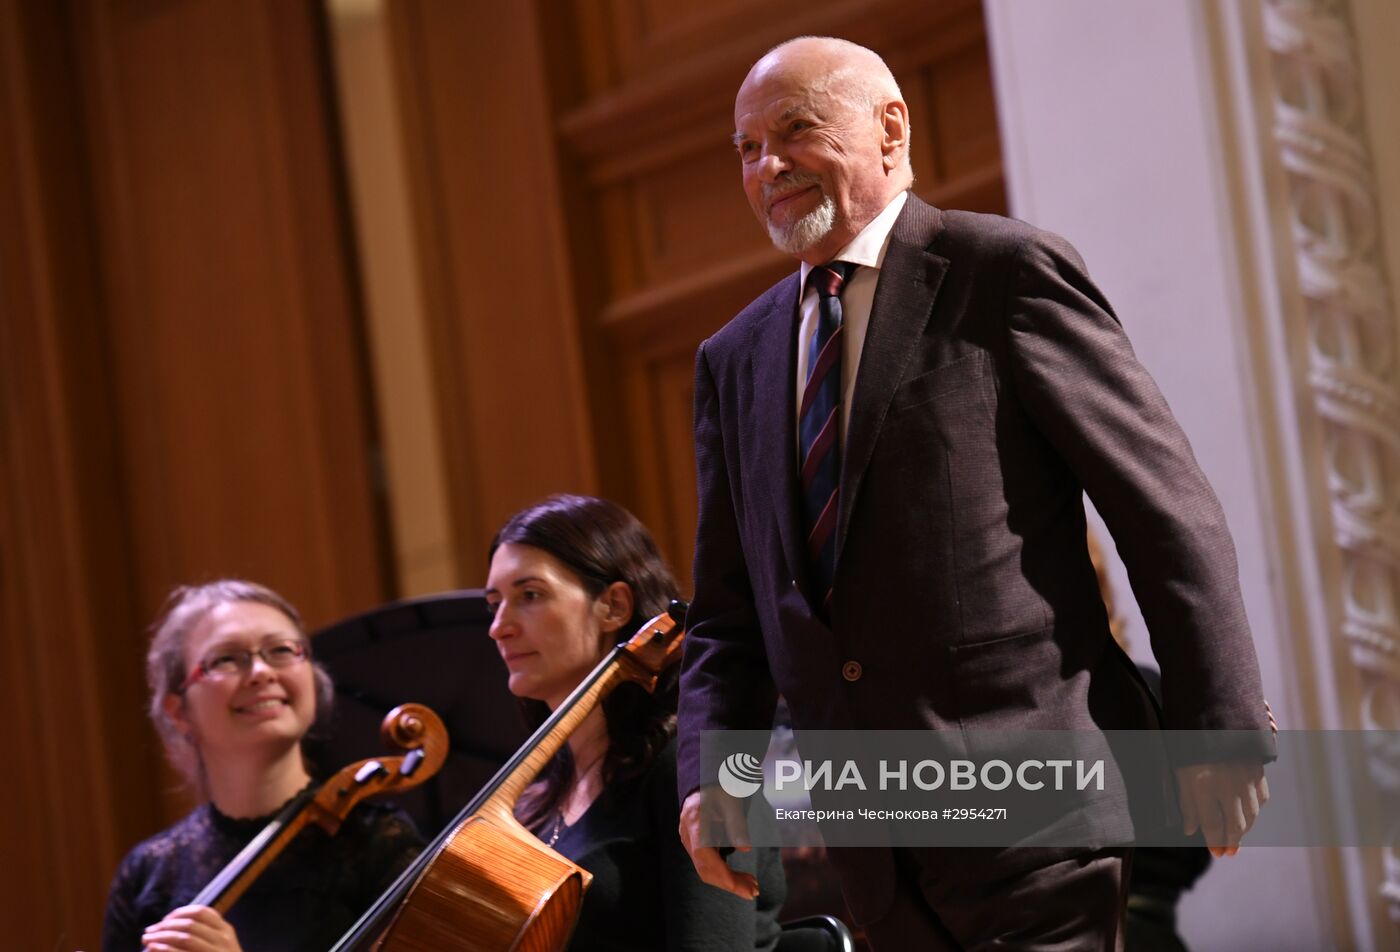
<point x="690" y="215"/>
<point x="652" y="35"/>
<point x="81" y="755"/>
<point x="235" y="335"/>
<point x="961" y="107"/>
<point x="182" y="392"/>
<point x="406" y="404"/>
<point x="660" y="393"/>
<point x="500" y="299"/>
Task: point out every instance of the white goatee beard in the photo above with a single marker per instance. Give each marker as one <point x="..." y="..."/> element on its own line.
<point x="811" y="228"/>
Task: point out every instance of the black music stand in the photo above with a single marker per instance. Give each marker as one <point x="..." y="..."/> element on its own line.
<point x="433" y="650"/>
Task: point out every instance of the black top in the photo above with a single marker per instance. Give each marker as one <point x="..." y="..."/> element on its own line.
<point x="303" y="902"/>
<point x="645" y="893"/>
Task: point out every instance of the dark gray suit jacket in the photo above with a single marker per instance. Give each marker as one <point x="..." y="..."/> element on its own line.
<point x="995" y="388"/>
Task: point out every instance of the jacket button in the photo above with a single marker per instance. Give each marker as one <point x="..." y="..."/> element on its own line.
<point x="851" y="671"/>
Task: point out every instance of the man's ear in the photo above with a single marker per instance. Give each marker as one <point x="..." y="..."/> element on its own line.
<point x="894" y="138"/>
<point x="616" y="605"/>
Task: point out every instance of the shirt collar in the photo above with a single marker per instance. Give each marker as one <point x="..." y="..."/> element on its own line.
<point x="867" y="249"/>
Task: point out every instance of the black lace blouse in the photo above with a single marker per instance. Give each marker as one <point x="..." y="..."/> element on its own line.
<point x="306" y="899"/>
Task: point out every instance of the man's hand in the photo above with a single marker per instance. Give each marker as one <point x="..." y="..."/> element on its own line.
<point x="711" y="810"/>
<point x="1222" y="800"/>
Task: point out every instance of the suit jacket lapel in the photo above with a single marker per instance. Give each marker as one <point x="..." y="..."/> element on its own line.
<point x="773" y="364"/>
<point x="904" y="296"/>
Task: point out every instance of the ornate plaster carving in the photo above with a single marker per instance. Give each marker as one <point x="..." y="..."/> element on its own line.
<point x="1351" y="333"/>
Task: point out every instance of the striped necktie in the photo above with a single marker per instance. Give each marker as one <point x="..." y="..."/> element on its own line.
<point x="819" y="428"/>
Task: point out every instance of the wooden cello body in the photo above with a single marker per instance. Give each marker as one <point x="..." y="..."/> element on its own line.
<point x="493" y="886"/>
<point x="487" y="884"/>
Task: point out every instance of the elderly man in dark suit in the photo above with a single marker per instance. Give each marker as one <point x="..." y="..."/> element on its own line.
<point x="893" y="445"/>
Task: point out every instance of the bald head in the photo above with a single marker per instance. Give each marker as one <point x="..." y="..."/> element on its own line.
<point x="823" y="133"/>
<point x="832" y="66"/>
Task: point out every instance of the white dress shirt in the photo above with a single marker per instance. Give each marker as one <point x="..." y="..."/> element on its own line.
<point x="866" y="249"/>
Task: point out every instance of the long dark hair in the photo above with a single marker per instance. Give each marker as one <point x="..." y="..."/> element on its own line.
<point x="601" y="543"/>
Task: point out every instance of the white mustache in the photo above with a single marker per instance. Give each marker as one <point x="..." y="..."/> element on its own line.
<point x="788" y="183"/>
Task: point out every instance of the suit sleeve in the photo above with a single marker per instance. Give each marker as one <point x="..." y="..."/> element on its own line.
<point x="1078" y="379"/>
<point x="725" y="679"/>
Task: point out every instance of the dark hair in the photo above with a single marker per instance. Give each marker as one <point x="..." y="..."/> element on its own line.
<point x="601" y="543"/>
<point x="185" y="607"/>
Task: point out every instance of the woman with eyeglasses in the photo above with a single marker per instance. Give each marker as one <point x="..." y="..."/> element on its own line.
<point x="569" y="579"/>
<point x="233" y="694"/>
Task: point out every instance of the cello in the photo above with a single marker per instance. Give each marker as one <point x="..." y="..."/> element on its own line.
<point x="412" y="728"/>
<point x="487" y="884"/>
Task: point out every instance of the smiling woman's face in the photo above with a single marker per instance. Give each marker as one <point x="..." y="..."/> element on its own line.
<point x="550" y="631"/>
<point x="264" y="707"/>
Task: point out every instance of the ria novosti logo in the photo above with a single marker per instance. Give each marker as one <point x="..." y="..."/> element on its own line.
<point x="741" y="775"/>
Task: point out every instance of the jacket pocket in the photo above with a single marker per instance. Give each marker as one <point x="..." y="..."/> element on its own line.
<point x="1038" y="678"/>
<point x="942" y="380"/>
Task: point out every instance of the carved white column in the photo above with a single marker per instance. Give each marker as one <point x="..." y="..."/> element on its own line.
<point x="1227" y="188"/>
<point x="1350" y="332"/>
